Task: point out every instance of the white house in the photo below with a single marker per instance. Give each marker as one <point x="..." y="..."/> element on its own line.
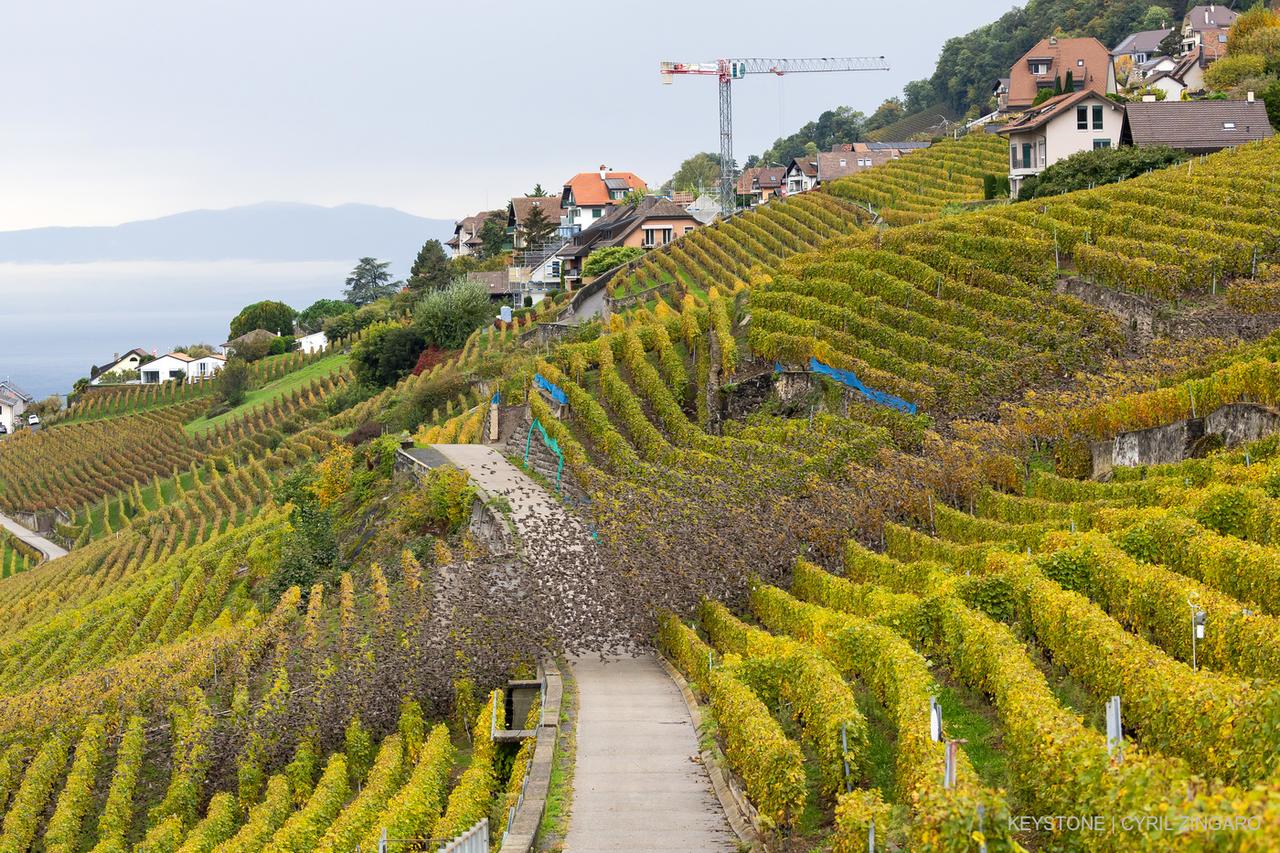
<point x="1058" y="128"/>
<point x="13" y="402"/>
<point x="177" y="366"/>
<point x="315" y="342"/>
<point x="119" y="364"/>
<point x="588" y="195"/>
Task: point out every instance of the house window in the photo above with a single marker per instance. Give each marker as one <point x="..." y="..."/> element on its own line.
<point x="1097" y="117"/>
<point x="1027" y="155"/>
<point x="554" y="269"/>
<point x="1039" y="67"/>
<point x="1228" y="125"/>
<point x="1101" y="143"/>
<point x="595" y="212"/>
<point x="1082" y="118"/>
<point x="843" y="163"/>
<point x="688" y="228"/>
<point x="1080" y="63"/>
<point x="1013" y="156"/>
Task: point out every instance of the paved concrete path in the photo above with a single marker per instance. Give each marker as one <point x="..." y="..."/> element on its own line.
<point x="637" y="786"/>
<point x="590" y="309"/>
<point x="35" y="540"/>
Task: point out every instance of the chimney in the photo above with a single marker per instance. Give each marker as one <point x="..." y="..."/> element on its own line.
<point x="115" y="356"/>
<point x="1249" y="97"/>
<point x="603" y="171"/>
<point x="1053" y="39"/>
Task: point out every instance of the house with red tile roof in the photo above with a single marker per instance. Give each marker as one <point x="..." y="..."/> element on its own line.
<point x="1047" y="65"/>
<point x="587" y="195"/>
<point x="466" y="234"/>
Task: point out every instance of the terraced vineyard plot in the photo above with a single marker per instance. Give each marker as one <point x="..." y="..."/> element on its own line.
<point x="918" y="186"/>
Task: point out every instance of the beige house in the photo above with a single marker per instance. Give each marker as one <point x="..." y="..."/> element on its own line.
<point x="1058" y="128"/>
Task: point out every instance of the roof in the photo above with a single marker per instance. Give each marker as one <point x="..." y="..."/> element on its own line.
<point x="612" y="228"/>
<point x="251" y="337"/>
<point x="14" y="392"/>
<point x="806" y="167"/>
<point x="589" y="188"/>
<point x="747" y="179"/>
<point x="705" y="209"/>
<point x="1212" y="17"/>
<point x="97" y="370"/>
<point x="1197" y="126"/>
<point x="498" y="282"/>
<point x="518" y="208"/>
<point x="1146" y="41"/>
<point x="1063" y="55"/>
<point x="771" y="178"/>
<point x="835" y="164"/>
<point x="1052" y="108"/>
<point x="471" y="224"/>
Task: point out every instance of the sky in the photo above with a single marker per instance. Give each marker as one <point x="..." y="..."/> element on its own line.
<point x="112" y="112"/>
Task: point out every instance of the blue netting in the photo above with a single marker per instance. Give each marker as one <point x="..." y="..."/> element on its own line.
<point x="851" y="380"/>
<point x="554" y="390"/>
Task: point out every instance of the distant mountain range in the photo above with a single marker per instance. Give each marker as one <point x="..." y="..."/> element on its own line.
<point x="271" y="231"/>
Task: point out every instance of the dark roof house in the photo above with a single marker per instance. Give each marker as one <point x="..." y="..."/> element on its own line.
<point x="1200" y="127"/>
<point x="620" y="222"/>
<point x="256" y="336"/>
<point x="496" y="282"/>
<point x="1145" y="43"/>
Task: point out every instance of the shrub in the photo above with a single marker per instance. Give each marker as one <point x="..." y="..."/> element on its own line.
<point x="1255" y="297"/>
<point x="603" y="260"/>
<point x="386" y="353"/>
<point x="1228" y="71"/>
<point x="446" y="318"/>
<point x="1101" y="166"/>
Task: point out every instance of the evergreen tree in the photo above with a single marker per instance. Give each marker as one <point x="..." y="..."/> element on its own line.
<point x="369" y="281"/>
<point x="538" y="192"/>
<point x="430" y="270"/>
<point x="537" y="228"/>
<point x="493" y="234"/>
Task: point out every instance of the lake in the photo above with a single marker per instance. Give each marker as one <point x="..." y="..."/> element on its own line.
<point x="57" y="320"/>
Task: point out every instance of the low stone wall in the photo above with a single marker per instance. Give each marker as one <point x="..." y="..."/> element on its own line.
<point x="488" y="525"/>
<point x="522" y="832"/>
<point x="1234" y="424"/>
<point x="1148" y="318"/>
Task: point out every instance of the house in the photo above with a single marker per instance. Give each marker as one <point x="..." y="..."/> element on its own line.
<point x="497" y="282"/>
<point x="1187" y="75"/>
<point x="1154" y="66"/>
<point x="652" y="223"/>
<point x="257" y="336"/>
<point x="1058" y="128"/>
<point x="587" y="195"/>
<point x="119" y="364"/>
<point x="13" y="402"/>
<point x="1199" y="127"/>
<point x="518" y="210"/>
<point x="466" y="235"/>
<point x="180" y="367"/>
<point x="1048" y="64"/>
<point x="759" y="184"/>
<point x="705" y="208"/>
<point x="1207" y="27"/>
<point x="850" y="158"/>
<point x="1135" y="51"/>
<point x="314" y="342"/>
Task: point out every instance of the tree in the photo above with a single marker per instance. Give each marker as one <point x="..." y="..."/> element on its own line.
<point x="887" y="113"/>
<point x="843" y="124"/>
<point x="493" y="234"/>
<point x="696" y="174"/>
<point x="275" y="317"/>
<point x="386" y="353"/>
<point x="1069" y="85"/>
<point x="1156" y="18"/>
<point x="538" y="192"/>
<point x="447" y="317"/>
<point x="311" y="318"/>
<point x="537" y="227"/>
<point x="1171" y="45"/>
<point x="1094" y="168"/>
<point x="430" y="270"/>
<point x="369" y="281"/>
<point x="1231" y="69"/>
<point x="1271" y="97"/>
<point x="234" y="381"/>
<point x="917" y="95"/>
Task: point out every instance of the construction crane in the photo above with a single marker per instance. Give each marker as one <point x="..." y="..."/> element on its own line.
<point x="729" y="70"/>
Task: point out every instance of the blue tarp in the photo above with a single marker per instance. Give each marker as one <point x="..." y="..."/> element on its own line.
<point x="554" y="390"/>
<point x="850" y="379"/>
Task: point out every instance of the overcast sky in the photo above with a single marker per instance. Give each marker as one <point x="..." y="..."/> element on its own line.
<point x="121" y="110"/>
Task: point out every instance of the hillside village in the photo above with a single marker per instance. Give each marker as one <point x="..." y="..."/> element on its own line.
<point x="928" y="499"/>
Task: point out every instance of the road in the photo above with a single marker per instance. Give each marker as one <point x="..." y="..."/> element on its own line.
<point x="35" y="540"/>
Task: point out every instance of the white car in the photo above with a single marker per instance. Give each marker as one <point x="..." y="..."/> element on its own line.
<point x="33" y="420"/>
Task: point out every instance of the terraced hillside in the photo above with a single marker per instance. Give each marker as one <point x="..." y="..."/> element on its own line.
<point x="918" y="186"/>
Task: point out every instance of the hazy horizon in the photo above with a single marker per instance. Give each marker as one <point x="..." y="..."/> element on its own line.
<point x="141" y="109"/>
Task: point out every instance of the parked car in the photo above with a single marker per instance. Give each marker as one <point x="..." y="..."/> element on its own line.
<point x="33" y="421"/>
<point x="4" y="430"/>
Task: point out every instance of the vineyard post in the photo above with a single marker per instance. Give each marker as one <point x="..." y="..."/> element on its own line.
<point x="1197" y="627"/>
<point x="935" y="720"/>
<point x="871" y="836"/>
<point x="949" y="771"/>
<point x="1115" y="731"/>
<point x="844" y="752"/>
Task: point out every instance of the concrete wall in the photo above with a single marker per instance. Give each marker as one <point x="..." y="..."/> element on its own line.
<point x="1239" y="423"/>
<point x="1234" y="423"/>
